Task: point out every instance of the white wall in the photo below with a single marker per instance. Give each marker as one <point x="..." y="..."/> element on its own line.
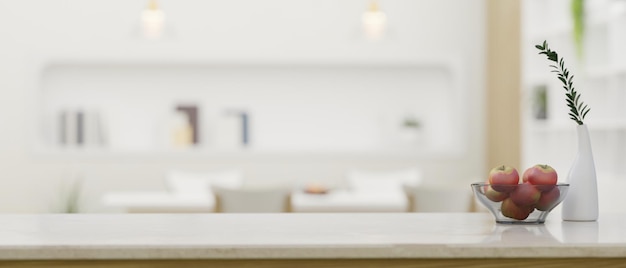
<point x="34" y="34"/>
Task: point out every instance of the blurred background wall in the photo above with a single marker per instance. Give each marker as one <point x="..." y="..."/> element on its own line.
<point x="92" y="55"/>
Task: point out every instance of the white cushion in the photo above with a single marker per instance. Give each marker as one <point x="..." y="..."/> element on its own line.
<point x="158" y="202"/>
<point x="383" y="181"/>
<point x="341" y="200"/>
<point x="200" y="183"/>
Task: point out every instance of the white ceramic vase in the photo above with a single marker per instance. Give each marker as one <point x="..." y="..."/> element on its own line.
<point x="581" y="202"/>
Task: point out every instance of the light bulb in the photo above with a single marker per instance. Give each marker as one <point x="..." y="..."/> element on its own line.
<point x="374" y="22"/>
<point x="152" y="20"/>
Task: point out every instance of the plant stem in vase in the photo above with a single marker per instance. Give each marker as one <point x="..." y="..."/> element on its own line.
<point x="581" y="203"/>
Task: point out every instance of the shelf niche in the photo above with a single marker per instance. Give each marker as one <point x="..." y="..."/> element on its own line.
<point x="289" y="107"/>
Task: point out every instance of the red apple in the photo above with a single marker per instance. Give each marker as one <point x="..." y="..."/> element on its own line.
<point x="494" y="195"/>
<point x="502" y="177"/>
<point x="525" y="194"/>
<point x="548" y="199"/>
<point x="511" y="210"/>
<point x="525" y="174"/>
<point x="543" y="175"/>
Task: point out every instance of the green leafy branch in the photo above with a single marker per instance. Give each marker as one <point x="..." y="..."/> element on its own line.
<point x="578" y="110"/>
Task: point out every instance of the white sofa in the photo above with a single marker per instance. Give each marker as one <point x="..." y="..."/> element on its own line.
<point x="187" y="192"/>
<point x="368" y="191"/>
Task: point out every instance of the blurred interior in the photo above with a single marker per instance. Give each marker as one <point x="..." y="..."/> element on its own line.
<point x="135" y="106"/>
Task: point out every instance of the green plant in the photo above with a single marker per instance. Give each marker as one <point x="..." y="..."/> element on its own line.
<point x="578" y="17"/>
<point x="70" y="196"/>
<point x="411" y="122"/>
<point x="540" y="102"/>
<point x="73" y="197"/>
<point x="578" y="110"/>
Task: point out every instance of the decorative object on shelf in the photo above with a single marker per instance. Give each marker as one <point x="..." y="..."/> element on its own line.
<point x="80" y="128"/>
<point x="192" y="117"/>
<point x="410" y="129"/>
<point x="374" y="22"/>
<point x="540" y="102"/>
<point x="411" y="122"/>
<point x="582" y="201"/>
<point x="245" y="124"/>
<point x="181" y="130"/>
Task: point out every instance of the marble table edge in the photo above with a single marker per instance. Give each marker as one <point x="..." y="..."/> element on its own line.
<point x="325" y="252"/>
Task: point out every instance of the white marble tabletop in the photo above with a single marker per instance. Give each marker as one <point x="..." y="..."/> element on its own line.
<point x="302" y="235"/>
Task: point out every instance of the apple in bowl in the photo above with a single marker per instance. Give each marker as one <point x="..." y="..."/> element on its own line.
<point x="525" y="195"/>
<point x="525" y="200"/>
<point x="544" y="176"/>
<point x="548" y="199"/>
<point x="524" y="205"/>
<point x="512" y="210"/>
<point x="494" y="195"/>
<point x="503" y="178"/>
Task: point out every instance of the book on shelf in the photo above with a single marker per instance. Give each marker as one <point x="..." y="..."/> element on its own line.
<point x="78" y="128"/>
<point x="191" y="111"/>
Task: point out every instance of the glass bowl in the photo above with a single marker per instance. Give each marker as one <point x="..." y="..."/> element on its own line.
<point x="521" y="203"/>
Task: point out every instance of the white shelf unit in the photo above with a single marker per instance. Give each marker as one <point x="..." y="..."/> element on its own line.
<point x="600" y="76"/>
<point x="345" y="109"/>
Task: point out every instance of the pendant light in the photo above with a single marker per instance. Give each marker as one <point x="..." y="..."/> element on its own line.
<point x="152" y="19"/>
<point x="374" y="22"/>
